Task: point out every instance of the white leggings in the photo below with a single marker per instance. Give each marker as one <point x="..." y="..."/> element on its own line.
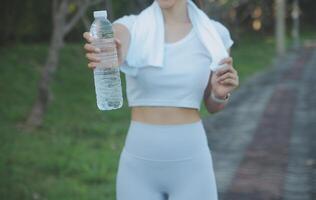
<point x="166" y="162"/>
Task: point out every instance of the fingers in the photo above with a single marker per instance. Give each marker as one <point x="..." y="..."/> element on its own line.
<point x="223" y="70"/>
<point x="92" y="57"/>
<point x="226" y="76"/>
<point x="92" y="65"/>
<point x="87" y="36"/>
<point x="230" y="81"/>
<point x="92" y="49"/>
<point x="227" y="68"/>
<point x="228" y="60"/>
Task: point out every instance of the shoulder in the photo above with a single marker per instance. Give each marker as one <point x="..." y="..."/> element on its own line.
<point x="126" y="20"/>
<point x="223" y="32"/>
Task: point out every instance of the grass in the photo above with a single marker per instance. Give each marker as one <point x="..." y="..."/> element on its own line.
<point x="75" y="154"/>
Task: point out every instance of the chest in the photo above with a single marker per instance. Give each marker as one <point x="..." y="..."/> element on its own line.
<point x="186" y="67"/>
<point x="176" y="33"/>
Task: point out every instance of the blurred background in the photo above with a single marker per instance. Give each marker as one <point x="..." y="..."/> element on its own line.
<point x="56" y="144"/>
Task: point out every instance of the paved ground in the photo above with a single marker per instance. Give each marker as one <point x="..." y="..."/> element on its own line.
<point x="263" y="143"/>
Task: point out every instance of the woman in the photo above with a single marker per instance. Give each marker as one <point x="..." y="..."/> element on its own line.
<point x="166" y="153"/>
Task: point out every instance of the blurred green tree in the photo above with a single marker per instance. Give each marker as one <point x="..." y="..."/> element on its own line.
<point x="65" y="15"/>
<point x="31" y="21"/>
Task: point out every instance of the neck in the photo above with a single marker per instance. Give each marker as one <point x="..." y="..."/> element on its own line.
<point x="177" y="13"/>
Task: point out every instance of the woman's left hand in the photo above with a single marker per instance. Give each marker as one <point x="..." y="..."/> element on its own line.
<point x="225" y="79"/>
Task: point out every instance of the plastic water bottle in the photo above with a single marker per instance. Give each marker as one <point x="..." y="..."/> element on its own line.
<point x="107" y="79"/>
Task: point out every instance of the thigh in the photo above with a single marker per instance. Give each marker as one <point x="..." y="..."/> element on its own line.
<point x="195" y="179"/>
<point x="133" y="180"/>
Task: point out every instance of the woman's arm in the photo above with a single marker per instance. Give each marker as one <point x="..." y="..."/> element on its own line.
<point x="220" y="83"/>
<point x="122" y="34"/>
<point x="211" y="106"/>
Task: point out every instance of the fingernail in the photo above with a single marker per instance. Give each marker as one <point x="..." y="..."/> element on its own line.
<point x="97" y="50"/>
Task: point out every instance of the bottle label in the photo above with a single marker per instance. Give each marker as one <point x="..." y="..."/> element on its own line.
<point x="108" y="54"/>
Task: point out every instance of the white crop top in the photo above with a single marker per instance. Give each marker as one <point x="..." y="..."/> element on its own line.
<point x="182" y="80"/>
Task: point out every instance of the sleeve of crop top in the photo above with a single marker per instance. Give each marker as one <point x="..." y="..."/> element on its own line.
<point x="224" y="33"/>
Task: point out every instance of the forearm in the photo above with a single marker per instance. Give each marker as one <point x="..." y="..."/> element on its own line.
<point x="211" y="105"/>
<point x="122" y="34"/>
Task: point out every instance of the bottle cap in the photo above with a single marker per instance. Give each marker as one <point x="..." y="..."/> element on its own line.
<point x="100" y="13"/>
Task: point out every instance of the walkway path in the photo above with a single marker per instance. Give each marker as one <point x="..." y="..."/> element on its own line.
<point x="263" y="143"/>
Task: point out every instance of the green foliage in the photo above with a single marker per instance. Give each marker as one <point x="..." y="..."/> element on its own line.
<point x="75" y="154"/>
<point x="31" y="20"/>
<point x="25" y="20"/>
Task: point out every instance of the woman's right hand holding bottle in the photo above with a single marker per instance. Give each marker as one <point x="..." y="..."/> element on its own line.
<point x="92" y="51"/>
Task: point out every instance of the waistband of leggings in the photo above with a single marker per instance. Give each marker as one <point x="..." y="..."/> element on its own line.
<point x="166" y="126"/>
<point x="165" y="141"/>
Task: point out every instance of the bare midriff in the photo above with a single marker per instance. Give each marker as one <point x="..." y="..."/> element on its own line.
<point x="165" y="115"/>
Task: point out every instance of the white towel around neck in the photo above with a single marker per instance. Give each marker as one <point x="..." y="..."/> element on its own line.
<point x="147" y="38"/>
